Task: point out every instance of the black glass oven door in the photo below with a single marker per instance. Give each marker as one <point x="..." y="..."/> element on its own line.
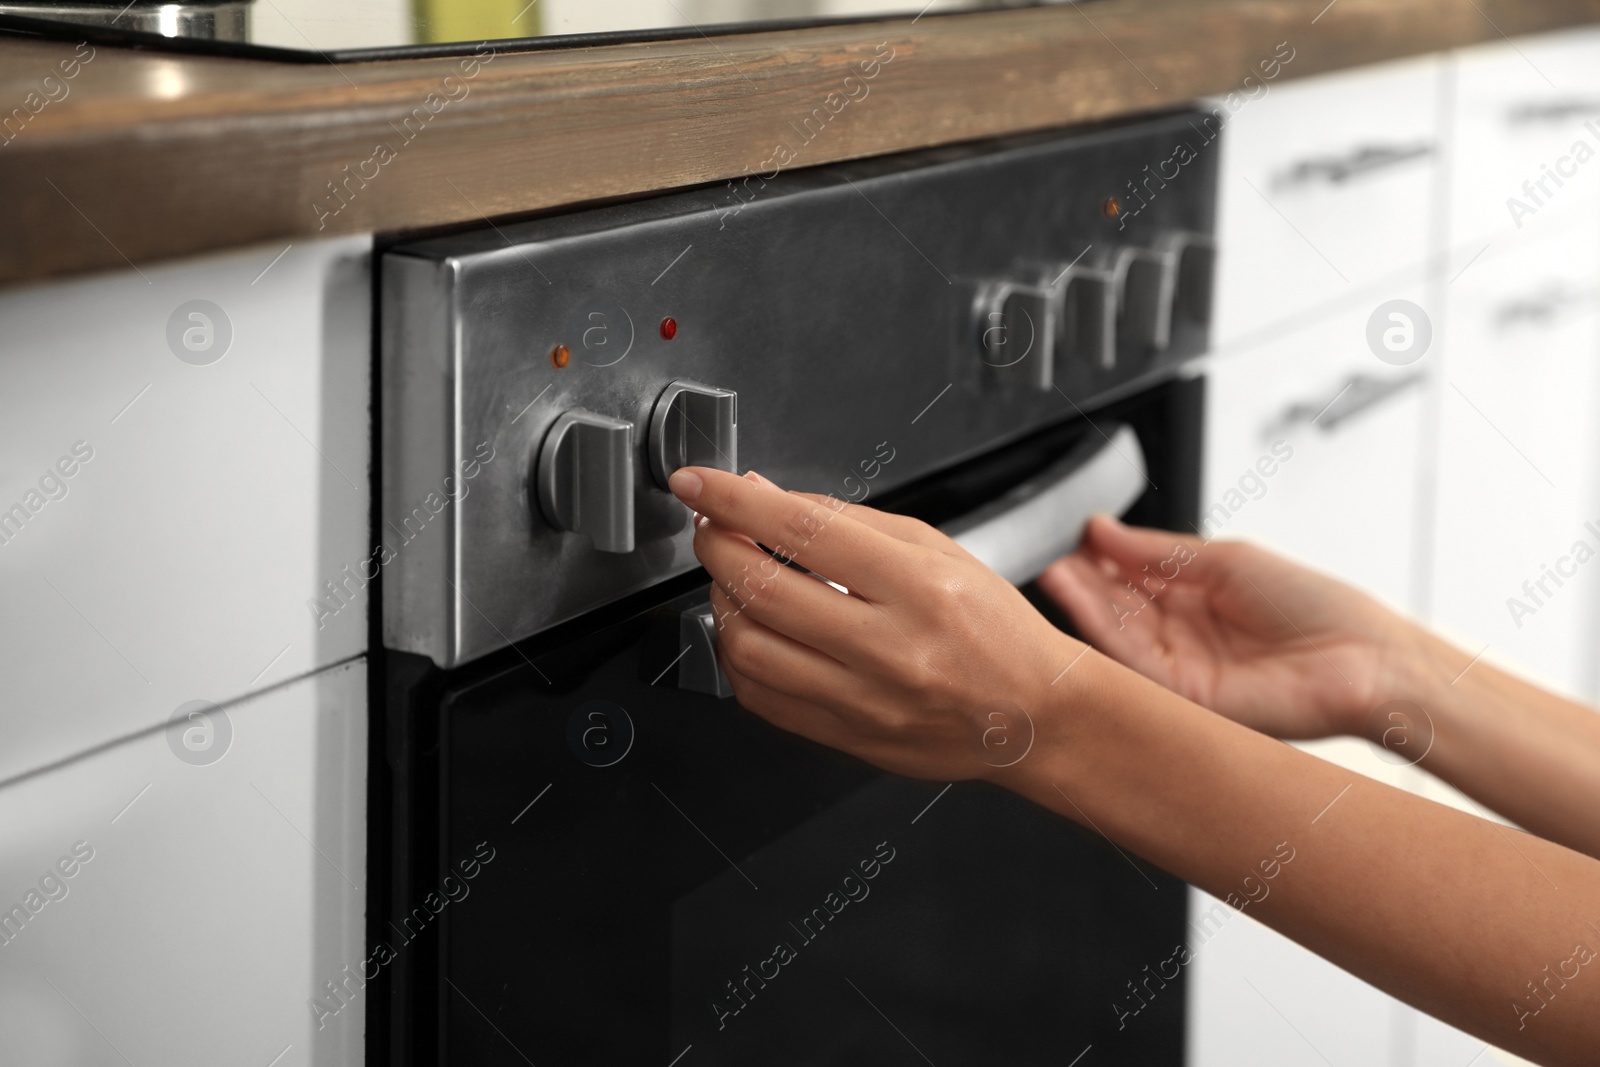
<point x="596" y="866"/>
<point x="670" y="875"/>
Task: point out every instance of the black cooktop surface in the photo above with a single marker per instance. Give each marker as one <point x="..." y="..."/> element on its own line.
<point x="356" y="30"/>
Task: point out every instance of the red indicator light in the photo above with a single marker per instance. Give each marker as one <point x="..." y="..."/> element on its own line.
<point x="669" y="329"/>
<point x="560" y="356"/>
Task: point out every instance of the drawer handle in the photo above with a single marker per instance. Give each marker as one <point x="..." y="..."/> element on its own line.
<point x="1359" y="394"/>
<point x="1545" y="112"/>
<point x="1336" y="170"/>
<point x="1537" y="309"/>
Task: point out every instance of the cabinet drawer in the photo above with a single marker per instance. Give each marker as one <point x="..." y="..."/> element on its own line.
<point x="1526" y="140"/>
<point x="1258" y="997"/>
<point x="1342" y="428"/>
<point x="1325" y="186"/>
<point x="177" y="911"/>
<point x="1519" y="461"/>
<point x="170" y="525"/>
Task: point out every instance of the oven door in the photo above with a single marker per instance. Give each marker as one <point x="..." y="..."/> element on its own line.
<point x="595" y="865"/>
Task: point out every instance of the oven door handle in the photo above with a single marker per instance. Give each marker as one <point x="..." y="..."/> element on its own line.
<point x="1021" y="532"/>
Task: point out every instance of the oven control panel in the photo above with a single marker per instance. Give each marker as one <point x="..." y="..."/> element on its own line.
<point x="1077" y="313"/>
<point x="843" y="329"/>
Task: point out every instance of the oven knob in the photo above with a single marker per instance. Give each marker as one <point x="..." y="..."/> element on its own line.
<point x="1017" y="324"/>
<point x="1149" y="286"/>
<point x="1197" y="267"/>
<point x="585" y="478"/>
<point x="1171" y="277"/>
<point x="680" y="648"/>
<point x="1089" y="321"/>
<point x="1085" y="293"/>
<point x="693" y="425"/>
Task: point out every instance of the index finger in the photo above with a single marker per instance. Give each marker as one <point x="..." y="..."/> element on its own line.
<point x="900" y="527"/>
<point x="814" y="534"/>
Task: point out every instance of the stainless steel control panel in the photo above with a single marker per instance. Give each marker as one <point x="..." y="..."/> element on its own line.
<point x="843" y="330"/>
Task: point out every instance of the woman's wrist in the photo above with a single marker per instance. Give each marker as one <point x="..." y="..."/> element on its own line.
<point x="1064" y="715"/>
<point x="1412" y="687"/>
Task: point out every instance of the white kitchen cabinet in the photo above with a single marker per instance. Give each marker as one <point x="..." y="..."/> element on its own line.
<point x="1518" y="419"/>
<point x="1303" y="266"/>
<point x="1341" y="431"/>
<point x="1519" y="431"/>
<point x="1436" y="1045"/>
<point x="1519" y="461"/>
<point x="1450" y="494"/>
<point x="1323" y="187"/>
<point x="1259" y="998"/>
<point x="211" y="495"/>
<point x="1343" y="434"/>
<point x="219" y="899"/>
<point x="1525" y="141"/>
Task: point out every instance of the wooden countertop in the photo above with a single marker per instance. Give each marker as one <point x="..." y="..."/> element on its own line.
<point x="152" y="155"/>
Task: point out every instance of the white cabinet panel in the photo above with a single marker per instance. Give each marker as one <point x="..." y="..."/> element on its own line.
<point x="1519" y="461"/>
<point x="1439" y="1045"/>
<point x="1342" y="432"/>
<point x="216" y="898"/>
<point x="1448" y="495"/>
<point x="1525" y="159"/>
<point x="1323" y="191"/>
<point x="1259" y="998"/>
<point x="1343" y="428"/>
<point x="208" y="498"/>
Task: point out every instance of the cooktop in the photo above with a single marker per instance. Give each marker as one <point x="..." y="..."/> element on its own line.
<point x="352" y="30"/>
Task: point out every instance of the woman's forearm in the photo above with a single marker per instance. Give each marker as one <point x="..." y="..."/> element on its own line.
<point x="1522" y="751"/>
<point x="1296" y="654"/>
<point x="930" y="653"/>
<point x="1489" y="929"/>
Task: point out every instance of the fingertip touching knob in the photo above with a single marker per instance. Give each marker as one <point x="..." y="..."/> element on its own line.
<point x="693" y="425"/>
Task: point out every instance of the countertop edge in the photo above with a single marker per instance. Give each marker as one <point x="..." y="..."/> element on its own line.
<point x="154" y="156"/>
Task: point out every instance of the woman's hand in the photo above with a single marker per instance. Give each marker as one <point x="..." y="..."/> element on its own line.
<point x="930" y="666"/>
<point x="1235" y="628"/>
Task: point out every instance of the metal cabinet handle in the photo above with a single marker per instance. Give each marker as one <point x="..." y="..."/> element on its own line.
<point x="1359" y="393"/>
<point x="1540" y="307"/>
<point x="1336" y="170"/>
<point x="1546" y="112"/>
<point x="1023" y="531"/>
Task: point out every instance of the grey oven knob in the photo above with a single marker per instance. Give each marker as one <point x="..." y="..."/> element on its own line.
<point x="680" y="648"/>
<point x="584" y="478"/>
<point x="693" y="425"/>
<point x="1197" y="267"/>
<point x="1017" y="326"/>
<point x="1171" y="277"/>
<point x="1149" y="287"/>
<point x="1074" y="303"/>
<point x="1089" y="322"/>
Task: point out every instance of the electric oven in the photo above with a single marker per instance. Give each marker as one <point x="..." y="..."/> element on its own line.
<point x="582" y="850"/>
